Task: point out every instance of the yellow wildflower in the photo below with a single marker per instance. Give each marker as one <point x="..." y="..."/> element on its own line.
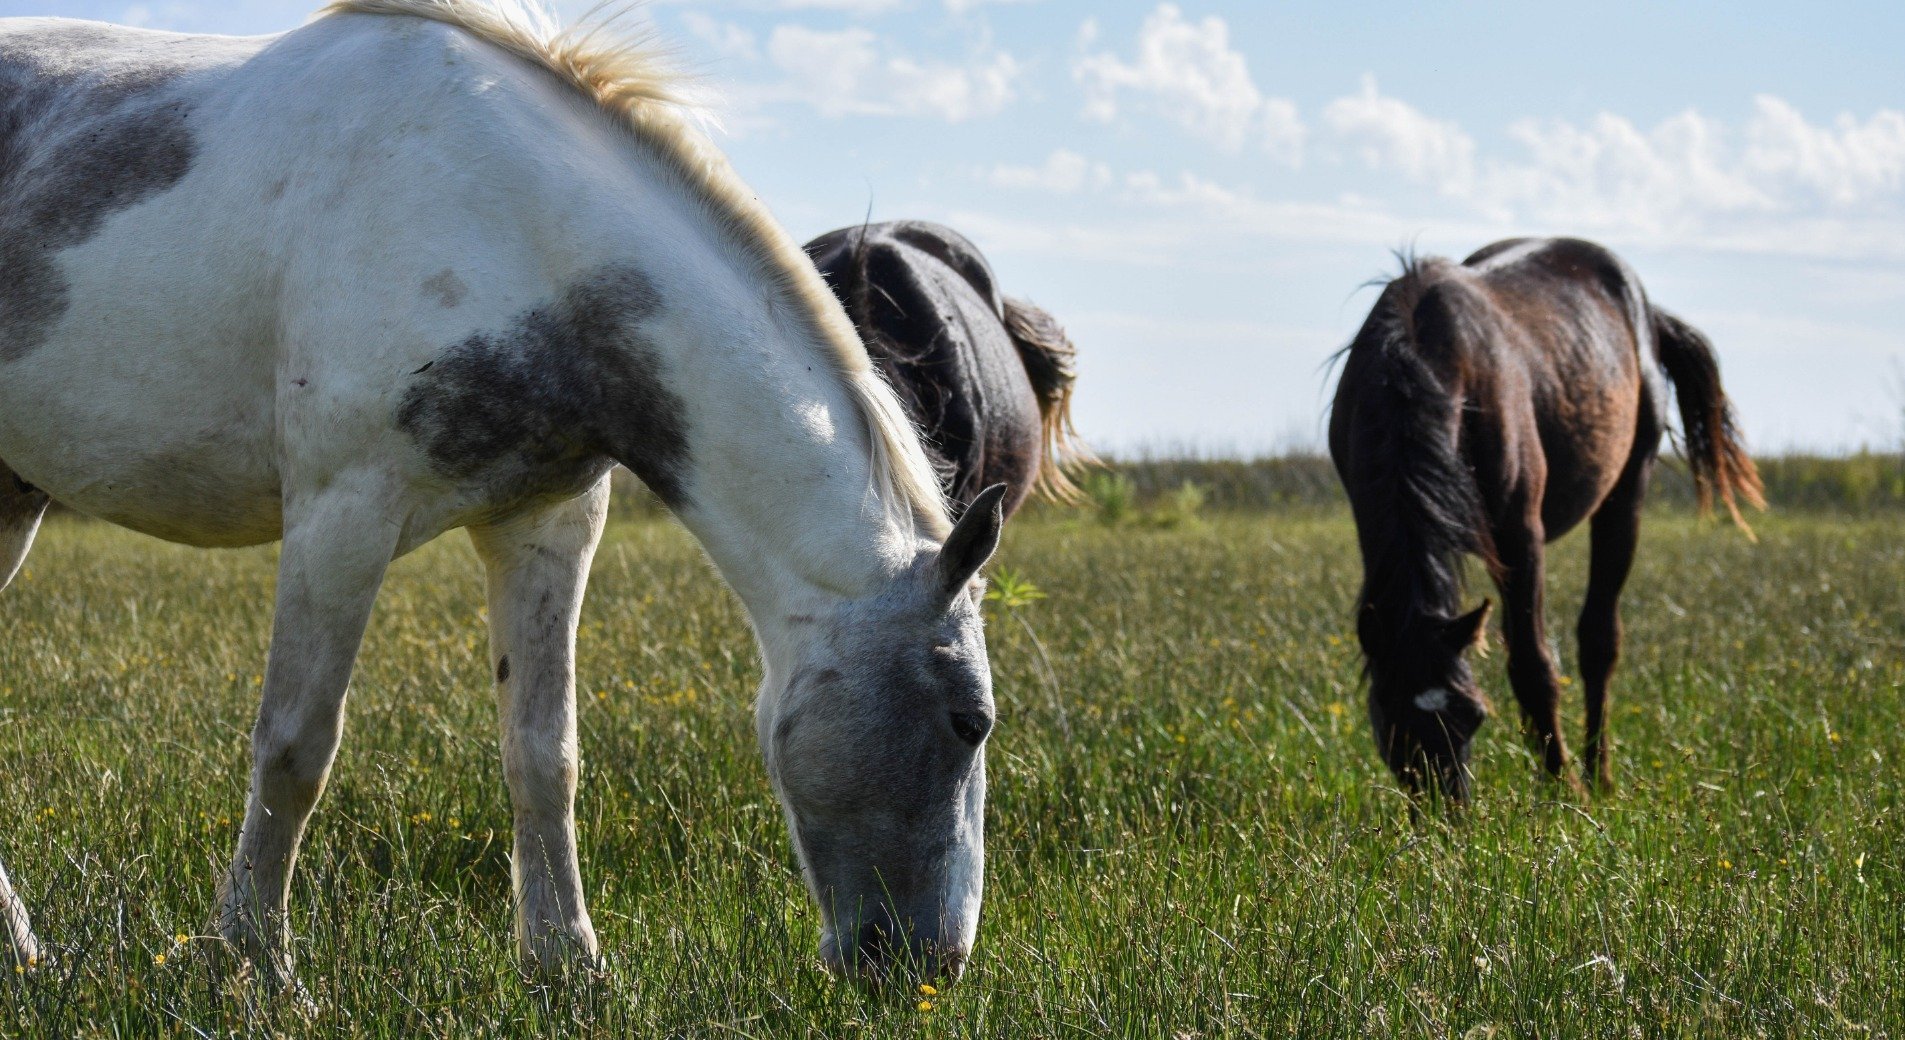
<point x="159" y="959"/>
<point x="926" y="990"/>
<point x="925" y="1005"/>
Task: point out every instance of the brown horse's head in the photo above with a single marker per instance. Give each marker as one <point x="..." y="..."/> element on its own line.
<point x="1424" y="704"/>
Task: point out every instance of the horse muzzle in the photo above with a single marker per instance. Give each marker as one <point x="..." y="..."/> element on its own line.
<point x="881" y="951"/>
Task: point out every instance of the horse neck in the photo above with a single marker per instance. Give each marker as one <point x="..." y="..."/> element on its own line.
<point x="1408" y="580"/>
<point x="1418" y="509"/>
<point x="780" y="485"/>
<point x="781" y="490"/>
<point x="786" y="509"/>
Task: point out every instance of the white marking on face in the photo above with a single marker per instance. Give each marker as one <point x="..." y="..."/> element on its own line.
<point x="1434" y="699"/>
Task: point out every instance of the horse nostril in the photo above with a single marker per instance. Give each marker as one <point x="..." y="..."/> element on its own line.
<point x="971" y="726"/>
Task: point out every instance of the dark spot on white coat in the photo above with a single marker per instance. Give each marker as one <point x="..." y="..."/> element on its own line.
<point x="445" y="288"/>
<point x="546" y="404"/>
<point x="77" y="143"/>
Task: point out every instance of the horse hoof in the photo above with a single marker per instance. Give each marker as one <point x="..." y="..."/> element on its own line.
<point x="23" y="951"/>
<point x="563" y="959"/>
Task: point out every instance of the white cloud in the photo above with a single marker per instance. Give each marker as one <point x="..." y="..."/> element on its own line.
<point x="966" y="6"/>
<point x="851" y="7"/>
<point x="1063" y="172"/>
<point x="1612" y="174"/>
<point x="855" y="6"/>
<point x="1846" y="163"/>
<point x="853" y="72"/>
<point x="1778" y="185"/>
<point x="1390" y="134"/>
<point x="724" y="38"/>
<point x="1188" y="72"/>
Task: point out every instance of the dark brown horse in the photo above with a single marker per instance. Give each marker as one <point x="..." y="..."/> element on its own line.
<point x="987" y="377"/>
<point x="1487" y="408"/>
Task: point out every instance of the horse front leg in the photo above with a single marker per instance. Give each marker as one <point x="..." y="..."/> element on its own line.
<point x="337" y="547"/>
<point x="538" y="568"/>
<point x="1531" y="670"/>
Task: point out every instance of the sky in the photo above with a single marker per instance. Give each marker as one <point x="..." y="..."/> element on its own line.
<point x="1202" y="189"/>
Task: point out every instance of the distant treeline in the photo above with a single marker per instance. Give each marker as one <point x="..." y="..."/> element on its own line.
<point x="1867" y="482"/>
<point x="1862" y="483"/>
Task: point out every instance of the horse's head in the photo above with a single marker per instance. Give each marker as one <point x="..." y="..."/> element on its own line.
<point x="1424" y="704"/>
<point x="875" y="742"/>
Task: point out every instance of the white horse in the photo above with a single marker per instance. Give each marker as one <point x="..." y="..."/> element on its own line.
<point x="428" y="264"/>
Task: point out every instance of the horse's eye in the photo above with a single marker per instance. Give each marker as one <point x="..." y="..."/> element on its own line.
<point x="971" y="726"/>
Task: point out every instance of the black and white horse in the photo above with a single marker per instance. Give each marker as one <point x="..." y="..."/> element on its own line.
<point x="988" y="377"/>
<point x="430" y="264"/>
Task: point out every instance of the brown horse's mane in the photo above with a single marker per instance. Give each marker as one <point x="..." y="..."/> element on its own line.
<point x="1426" y="511"/>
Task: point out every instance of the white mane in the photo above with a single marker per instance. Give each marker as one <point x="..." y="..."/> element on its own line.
<point x="623" y="73"/>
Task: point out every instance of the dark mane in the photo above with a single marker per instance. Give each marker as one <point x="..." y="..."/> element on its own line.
<point x="856" y="295"/>
<point x="1423" y="510"/>
<point x="987" y="377"/>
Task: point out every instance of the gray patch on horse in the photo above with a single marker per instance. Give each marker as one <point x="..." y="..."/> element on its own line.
<point x="542" y="406"/>
<point x="75" y="147"/>
<point x="445" y="288"/>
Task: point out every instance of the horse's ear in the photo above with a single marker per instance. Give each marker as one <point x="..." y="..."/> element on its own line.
<point x="973" y="540"/>
<point x="1470" y="631"/>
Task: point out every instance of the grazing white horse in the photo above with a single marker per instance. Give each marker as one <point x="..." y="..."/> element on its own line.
<point x="428" y="264"/>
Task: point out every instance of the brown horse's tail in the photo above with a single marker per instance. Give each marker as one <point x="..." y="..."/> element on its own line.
<point x="1709" y="430"/>
<point x="1050" y="363"/>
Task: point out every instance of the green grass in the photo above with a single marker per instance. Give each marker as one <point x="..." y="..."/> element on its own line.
<point x="1190" y="834"/>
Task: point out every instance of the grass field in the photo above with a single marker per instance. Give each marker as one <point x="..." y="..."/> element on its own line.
<point x="1190" y="834"/>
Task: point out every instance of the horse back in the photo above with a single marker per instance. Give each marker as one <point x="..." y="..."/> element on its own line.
<point x="1557" y="340"/>
<point x="204" y="239"/>
<point x="928" y="308"/>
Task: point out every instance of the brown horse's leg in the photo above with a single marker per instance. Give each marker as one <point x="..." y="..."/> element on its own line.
<point x="1616" y="532"/>
<point x="1530" y="670"/>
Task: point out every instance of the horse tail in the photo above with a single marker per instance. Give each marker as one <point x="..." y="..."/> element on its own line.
<point x="1051" y="364"/>
<point x="1710" y="432"/>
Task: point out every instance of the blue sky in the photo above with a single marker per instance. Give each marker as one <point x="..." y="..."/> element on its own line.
<point x="1198" y="188"/>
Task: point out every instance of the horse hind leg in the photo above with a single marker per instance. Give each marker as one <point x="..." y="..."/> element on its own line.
<point x="22" y="948"/>
<point x="21" y="506"/>
<point x="1615" y="535"/>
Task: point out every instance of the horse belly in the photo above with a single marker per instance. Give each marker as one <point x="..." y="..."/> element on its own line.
<point x="157" y="417"/>
<point x="1587" y="438"/>
<point x="199" y="469"/>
